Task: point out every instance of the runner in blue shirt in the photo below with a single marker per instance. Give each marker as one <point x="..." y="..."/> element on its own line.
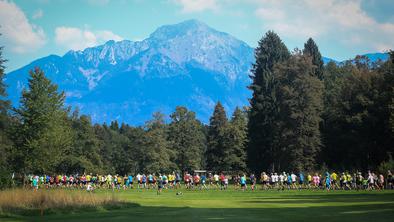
<point x="301" y="180"/>
<point x="131" y="181"/>
<point x="243" y="182"/>
<point x="289" y="181"/>
<point x="328" y="181"/>
<point x="203" y="181"/>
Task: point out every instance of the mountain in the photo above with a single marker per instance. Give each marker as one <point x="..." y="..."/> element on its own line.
<point x="376" y="57"/>
<point x="372" y="58"/>
<point x="187" y="64"/>
<point x="326" y="60"/>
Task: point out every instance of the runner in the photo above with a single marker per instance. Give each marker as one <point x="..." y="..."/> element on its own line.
<point x="252" y="181"/>
<point x="328" y="181"/>
<point x="216" y="179"/>
<point x="301" y="180"/>
<point x="159" y="185"/>
<point x="370" y="181"/>
<point x="178" y="180"/>
<point x="150" y="181"/>
<point x="196" y="180"/>
<point x="34" y="180"/>
<point x="316" y="181"/>
<point x="243" y="182"/>
<point x="203" y="181"/>
<point x="334" y="178"/>
<point x="390" y="180"/>
<point x="222" y="182"/>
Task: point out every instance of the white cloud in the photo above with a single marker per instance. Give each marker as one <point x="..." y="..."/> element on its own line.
<point x="343" y="21"/>
<point x="38" y="14"/>
<point x="78" y="39"/>
<point x="19" y="35"/>
<point x="197" y="5"/>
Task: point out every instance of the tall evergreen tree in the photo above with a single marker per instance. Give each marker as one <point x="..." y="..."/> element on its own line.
<point x="263" y="112"/>
<point x="236" y="141"/>
<point x="216" y="148"/>
<point x="158" y="155"/>
<point x="299" y="95"/>
<point x="188" y="139"/>
<point x="311" y="49"/>
<point x="44" y="134"/>
<point x="5" y="142"/>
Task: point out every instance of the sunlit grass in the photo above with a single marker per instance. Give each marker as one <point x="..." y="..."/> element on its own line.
<point x="229" y="205"/>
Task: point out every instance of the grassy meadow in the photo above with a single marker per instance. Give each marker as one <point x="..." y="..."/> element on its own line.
<point x="213" y="205"/>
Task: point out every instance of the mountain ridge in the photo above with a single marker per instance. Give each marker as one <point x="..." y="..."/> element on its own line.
<point x="189" y="64"/>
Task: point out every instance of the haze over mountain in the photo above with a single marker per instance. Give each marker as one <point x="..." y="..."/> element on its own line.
<point x="188" y="64"/>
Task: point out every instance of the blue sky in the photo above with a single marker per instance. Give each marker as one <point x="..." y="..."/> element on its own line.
<point x="342" y="28"/>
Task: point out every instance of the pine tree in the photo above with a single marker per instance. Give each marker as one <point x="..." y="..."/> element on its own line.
<point x="236" y="134"/>
<point x="158" y="155"/>
<point x="299" y="95"/>
<point x="188" y="139"/>
<point x="263" y="112"/>
<point x="5" y="142"/>
<point x="311" y="49"/>
<point x="216" y="148"/>
<point x="44" y="134"/>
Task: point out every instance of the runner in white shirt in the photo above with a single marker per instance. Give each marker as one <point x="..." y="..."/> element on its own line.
<point x="138" y="180"/>
<point x="216" y="178"/>
<point x="294" y="180"/>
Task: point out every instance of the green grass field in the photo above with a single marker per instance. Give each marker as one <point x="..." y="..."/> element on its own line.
<point x="233" y="205"/>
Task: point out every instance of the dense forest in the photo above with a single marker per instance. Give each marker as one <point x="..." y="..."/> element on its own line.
<point x="303" y="115"/>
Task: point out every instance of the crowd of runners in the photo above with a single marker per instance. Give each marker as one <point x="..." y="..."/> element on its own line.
<point x="218" y="181"/>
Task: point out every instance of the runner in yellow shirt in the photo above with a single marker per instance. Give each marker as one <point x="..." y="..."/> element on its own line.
<point x="334" y="178"/>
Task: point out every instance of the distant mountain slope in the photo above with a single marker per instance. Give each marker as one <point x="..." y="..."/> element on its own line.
<point x="187" y="64"/>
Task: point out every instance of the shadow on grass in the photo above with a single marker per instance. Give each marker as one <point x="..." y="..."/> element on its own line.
<point x="358" y="207"/>
<point x="317" y="198"/>
<point x="373" y="212"/>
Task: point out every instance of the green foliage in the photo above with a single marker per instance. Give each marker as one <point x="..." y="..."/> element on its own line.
<point x="216" y="148"/>
<point x="263" y="111"/>
<point x="299" y="95"/>
<point x="158" y="154"/>
<point x="356" y="130"/>
<point x="84" y="154"/>
<point x="5" y="142"/>
<point x="236" y="141"/>
<point x="188" y="139"/>
<point x="386" y="166"/>
<point x="311" y="50"/>
<point x="296" y="117"/>
<point x="44" y="133"/>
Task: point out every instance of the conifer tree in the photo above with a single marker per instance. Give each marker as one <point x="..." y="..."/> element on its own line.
<point x="5" y="142"/>
<point x="263" y="112"/>
<point x="44" y="134"/>
<point x="311" y="49"/>
<point x="300" y="103"/>
<point x="236" y="141"/>
<point x="216" y="148"/>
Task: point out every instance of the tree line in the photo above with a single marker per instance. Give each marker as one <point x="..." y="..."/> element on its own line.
<point x="303" y="115"/>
